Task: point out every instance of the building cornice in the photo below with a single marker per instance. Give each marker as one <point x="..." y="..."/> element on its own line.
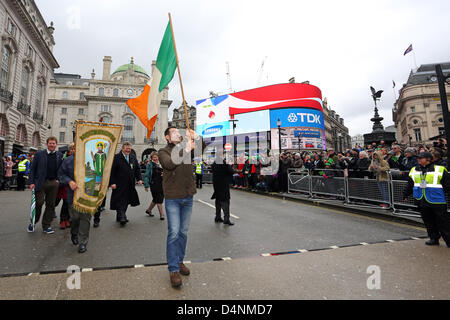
<point x="34" y="32"/>
<point x="68" y="102"/>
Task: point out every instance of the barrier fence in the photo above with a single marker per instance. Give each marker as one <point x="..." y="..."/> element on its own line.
<point x="355" y="189"/>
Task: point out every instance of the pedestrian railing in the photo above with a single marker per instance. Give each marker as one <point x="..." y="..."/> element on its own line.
<point x="207" y="177"/>
<point x="354" y="189"/>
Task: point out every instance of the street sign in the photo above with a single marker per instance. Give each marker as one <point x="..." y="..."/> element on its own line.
<point x="228" y="147"/>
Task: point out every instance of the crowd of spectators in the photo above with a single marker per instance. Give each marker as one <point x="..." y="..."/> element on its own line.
<point x="372" y="161"/>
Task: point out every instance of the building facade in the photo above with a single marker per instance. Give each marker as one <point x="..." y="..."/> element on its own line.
<point x="418" y="113"/>
<point x="27" y="63"/>
<point x="336" y="133"/>
<point x="72" y="98"/>
<point x="179" y="117"/>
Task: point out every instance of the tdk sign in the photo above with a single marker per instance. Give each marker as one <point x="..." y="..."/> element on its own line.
<point x="298" y="117"/>
<point x="304" y="117"/>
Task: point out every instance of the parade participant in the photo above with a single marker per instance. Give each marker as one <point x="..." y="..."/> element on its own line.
<point x="428" y="184"/>
<point x="22" y="172"/>
<point x="222" y="177"/>
<point x="64" y="215"/>
<point x="153" y="183"/>
<point x="44" y="180"/>
<point x="179" y="189"/>
<point x="125" y="172"/>
<point x="80" y="222"/>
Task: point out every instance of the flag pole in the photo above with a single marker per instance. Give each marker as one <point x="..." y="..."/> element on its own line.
<point x="179" y="73"/>
<point x="415" y="62"/>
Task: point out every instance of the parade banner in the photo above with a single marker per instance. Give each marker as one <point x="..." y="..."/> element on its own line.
<point x="95" y="147"/>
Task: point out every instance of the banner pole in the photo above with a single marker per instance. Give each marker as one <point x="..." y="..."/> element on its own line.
<point x="179" y="73"/>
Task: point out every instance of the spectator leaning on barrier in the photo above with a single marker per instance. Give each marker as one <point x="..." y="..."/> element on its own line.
<point x="363" y="164"/>
<point x="298" y="162"/>
<point x="380" y="168"/>
<point x="428" y="184"/>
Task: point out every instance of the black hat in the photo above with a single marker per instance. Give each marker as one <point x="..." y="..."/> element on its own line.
<point x="427" y="155"/>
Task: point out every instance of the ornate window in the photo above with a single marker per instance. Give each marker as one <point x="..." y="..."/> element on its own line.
<point x="21" y="133"/>
<point x="101" y="92"/>
<point x="5" y="64"/>
<point x="107" y="119"/>
<point x="24" y="85"/>
<point x="4" y="128"/>
<point x="116" y="92"/>
<point x="62" y="137"/>
<point x="36" y="139"/>
<point x="128" y="128"/>
<point x="418" y="135"/>
<point x="38" y="98"/>
<point x="65" y="95"/>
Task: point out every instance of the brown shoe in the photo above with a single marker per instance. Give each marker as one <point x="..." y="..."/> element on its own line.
<point x="175" y="279"/>
<point x="184" y="270"/>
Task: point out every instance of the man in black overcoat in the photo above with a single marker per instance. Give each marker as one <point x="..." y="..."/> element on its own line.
<point x="222" y="177"/>
<point x="125" y="172"/>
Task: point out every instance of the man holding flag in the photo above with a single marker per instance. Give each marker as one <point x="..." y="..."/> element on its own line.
<point x="178" y="180"/>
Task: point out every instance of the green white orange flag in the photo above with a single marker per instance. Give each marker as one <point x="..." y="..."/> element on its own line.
<point x="146" y="106"/>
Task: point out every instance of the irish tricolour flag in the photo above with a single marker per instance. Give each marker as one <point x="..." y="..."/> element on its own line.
<point x="146" y="106"/>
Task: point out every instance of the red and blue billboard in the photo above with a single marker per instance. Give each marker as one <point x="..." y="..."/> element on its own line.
<point x="296" y="105"/>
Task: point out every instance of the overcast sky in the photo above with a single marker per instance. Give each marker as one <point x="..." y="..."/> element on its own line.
<point x="343" y="47"/>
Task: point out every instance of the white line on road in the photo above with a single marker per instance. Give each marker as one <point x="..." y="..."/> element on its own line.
<point x="212" y="206"/>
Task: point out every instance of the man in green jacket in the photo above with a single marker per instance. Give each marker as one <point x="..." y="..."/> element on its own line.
<point x="179" y="189"/>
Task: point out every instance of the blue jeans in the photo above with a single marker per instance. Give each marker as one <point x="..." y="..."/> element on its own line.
<point x="384" y="189"/>
<point x="178" y="212"/>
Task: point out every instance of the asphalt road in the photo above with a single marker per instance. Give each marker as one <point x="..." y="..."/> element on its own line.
<point x="263" y="225"/>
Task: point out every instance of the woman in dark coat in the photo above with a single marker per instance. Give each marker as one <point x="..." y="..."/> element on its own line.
<point x="125" y="172"/>
<point x="222" y="178"/>
<point x="153" y="181"/>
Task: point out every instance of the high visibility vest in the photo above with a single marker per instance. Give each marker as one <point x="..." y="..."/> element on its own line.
<point x="23" y="165"/>
<point x="433" y="192"/>
<point x="198" y="168"/>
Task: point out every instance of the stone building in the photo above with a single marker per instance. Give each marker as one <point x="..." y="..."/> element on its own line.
<point x="73" y="98"/>
<point x="418" y="113"/>
<point x="179" y="117"/>
<point x="27" y="63"/>
<point x="336" y="133"/>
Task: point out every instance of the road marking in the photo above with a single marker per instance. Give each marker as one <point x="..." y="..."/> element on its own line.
<point x="390" y="241"/>
<point x="226" y="259"/>
<point x="302" y="250"/>
<point x="214" y="207"/>
<point x="414" y="238"/>
<point x="266" y="254"/>
<point x="364" y="244"/>
<point x="87" y="270"/>
<point x="138" y="266"/>
<point x="334" y="247"/>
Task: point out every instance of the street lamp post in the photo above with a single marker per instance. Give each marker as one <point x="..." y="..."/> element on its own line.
<point x="279" y="134"/>
<point x="299" y="143"/>
<point x="234" y="138"/>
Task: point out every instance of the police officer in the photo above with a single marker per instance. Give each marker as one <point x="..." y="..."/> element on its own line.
<point x="199" y="167"/>
<point x="428" y="183"/>
<point x="23" y="171"/>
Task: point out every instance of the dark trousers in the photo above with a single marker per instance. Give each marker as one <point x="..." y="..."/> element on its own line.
<point x="99" y="211"/>
<point x="225" y="206"/>
<point x="64" y="214"/>
<point x="21" y="181"/>
<point x="80" y="223"/>
<point x="48" y="196"/>
<point x="437" y="221"/>
<point x="122" y="214"/>
<point x="199" y="180"/>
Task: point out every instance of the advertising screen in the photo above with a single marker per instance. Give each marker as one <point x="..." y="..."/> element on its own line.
<point x="297" y="117"/>
<point x="292" y="137"/>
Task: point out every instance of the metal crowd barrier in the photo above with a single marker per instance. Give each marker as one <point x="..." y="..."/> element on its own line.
<point x="354" y="188"/>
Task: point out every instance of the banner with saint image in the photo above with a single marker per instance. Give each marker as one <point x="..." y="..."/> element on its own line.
<point x="95" y="147"/>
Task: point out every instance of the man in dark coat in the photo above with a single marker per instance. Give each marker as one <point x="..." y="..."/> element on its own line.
<point x="222" y="177"/>
<point x="125" y="172"/>
<point x="44" y="180"/>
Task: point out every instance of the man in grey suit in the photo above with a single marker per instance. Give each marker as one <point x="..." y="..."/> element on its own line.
<point x="44" y="180"/>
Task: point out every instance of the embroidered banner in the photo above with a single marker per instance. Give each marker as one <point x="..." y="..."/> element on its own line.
<point x="95" y="147"/>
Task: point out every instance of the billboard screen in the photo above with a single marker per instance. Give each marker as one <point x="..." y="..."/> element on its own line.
<point x="257" y="110"/>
